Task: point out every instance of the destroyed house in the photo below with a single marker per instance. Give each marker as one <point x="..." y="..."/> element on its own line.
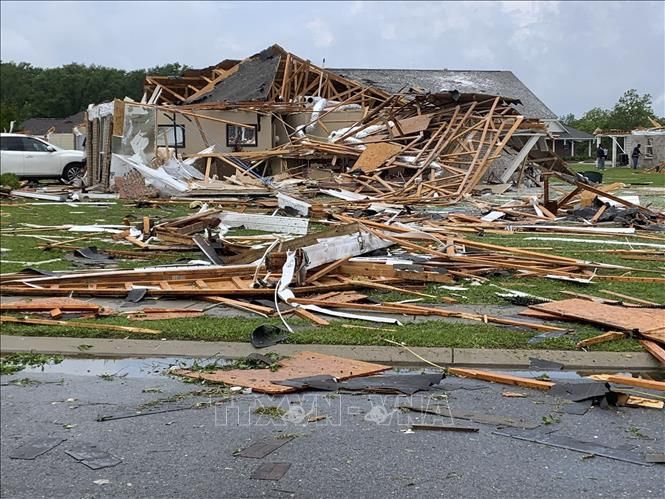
<point x="277" y="114"/>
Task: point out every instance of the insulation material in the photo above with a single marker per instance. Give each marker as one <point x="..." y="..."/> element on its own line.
<point x="139" y="134"/>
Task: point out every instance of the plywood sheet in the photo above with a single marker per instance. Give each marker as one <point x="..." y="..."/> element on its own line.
<point x="301" y="365"/>
<point x="612" y="316"/>
<point x="412" y="125"/>
<point x="374" y="156"/>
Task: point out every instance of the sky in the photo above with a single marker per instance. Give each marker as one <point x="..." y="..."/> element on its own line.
<point x="573" y="55"/>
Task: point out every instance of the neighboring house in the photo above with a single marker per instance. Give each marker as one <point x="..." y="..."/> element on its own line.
<point x="58" y="131"/>
<point x="568" y="141"/>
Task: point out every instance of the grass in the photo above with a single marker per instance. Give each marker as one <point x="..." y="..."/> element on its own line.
<point x="622" y="174"/>
<point x="424" y="333"/>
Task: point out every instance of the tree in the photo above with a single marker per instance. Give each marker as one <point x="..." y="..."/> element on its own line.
<point x="631" y="111"/>
<point x="28" y="92"/>
<point x="568" y="119"/>
<point x="591" y="120"/>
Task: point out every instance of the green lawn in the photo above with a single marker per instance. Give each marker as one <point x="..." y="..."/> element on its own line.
<point x="624" y="175"/>
<point x="426" y="333"/>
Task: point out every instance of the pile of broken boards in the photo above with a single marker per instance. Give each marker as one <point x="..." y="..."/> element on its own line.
<point x="290" y="270"/>
<point x="415" y="148"/>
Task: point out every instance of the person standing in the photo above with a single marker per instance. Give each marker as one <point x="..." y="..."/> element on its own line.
<point x="600" y="157"/>
<point x="636" y="155"/>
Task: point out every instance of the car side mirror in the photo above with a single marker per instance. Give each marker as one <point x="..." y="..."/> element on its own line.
<point x="50" y="149"/>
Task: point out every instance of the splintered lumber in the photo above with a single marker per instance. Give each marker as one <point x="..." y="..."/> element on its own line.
<point x="408" y="309"/>
<point x="306" y="314"/>
<point x="326" y="270"/>
<point x="654" y="349"/>
<point x="639" y="382"/>
<point x="629" y="298"/>
<point x="601" y="338"/>
<point x="241" y="305"/>
<point x="88" y="325"/>
<point x="46" y="305"/>
<point x="300" y="365"/>
<point x="504" y="379"/>
<point x="627" y="400"/>
<point x="615" y="317"/>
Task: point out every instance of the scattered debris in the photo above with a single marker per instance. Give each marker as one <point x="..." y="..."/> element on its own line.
<point x="35" y="447"/>
<point x="262" y="448"/>
<point x="270" y="471"/>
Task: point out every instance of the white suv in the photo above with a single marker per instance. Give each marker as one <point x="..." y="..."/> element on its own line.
<point x="27" y="156"/>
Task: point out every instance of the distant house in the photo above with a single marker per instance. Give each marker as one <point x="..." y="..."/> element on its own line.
<point x="568" y="141"/>
<point x="58" y="131"/>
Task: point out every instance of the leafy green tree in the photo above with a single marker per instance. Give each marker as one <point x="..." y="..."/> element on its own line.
<point x="27" y="91"/>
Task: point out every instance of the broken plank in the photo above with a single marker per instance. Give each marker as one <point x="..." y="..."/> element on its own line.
<point x="654" y="349"/>
<point x="639" y="382"/>
<point x="88" y="325"/>
<point x="306" y="314"/>
<point x="326" y="270"/>
<point x="504" y="379"/>
<point x="601" y="338"/>
<point x="629" y="298"/>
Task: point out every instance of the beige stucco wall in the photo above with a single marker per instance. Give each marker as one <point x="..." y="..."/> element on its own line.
<point x="331" y="121"/>
<point x="62" y="140"/>
<point x="215" y="131"/>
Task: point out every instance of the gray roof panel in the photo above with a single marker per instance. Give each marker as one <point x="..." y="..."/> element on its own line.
<point x="503" y="83"/>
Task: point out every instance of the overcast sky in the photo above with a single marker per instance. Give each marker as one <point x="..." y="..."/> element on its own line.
<point x="573" y="55"/>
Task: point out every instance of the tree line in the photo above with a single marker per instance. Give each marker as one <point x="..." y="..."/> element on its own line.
<point x="631" y="111"/>
<point x="32" y="92"/>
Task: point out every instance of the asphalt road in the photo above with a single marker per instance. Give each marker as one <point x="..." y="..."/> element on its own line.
<point x="361" y="449"/>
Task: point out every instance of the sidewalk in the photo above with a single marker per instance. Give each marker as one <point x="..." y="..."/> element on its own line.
<point x="480" y="358"/>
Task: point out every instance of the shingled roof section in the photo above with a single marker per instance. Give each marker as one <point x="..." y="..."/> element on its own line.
<point x="574" y="134"/>
<point x="39" y="126"/>
<point x="503" y="83"/>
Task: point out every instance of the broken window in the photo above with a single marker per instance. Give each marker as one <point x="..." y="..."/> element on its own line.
<point x="241" y="136"/>
<point x="171" y="136"/>
<point x="649" y="151"/>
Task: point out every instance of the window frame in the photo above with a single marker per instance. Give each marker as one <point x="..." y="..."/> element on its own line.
<point x="230" y="143"/>
<point x="166" y="137"/>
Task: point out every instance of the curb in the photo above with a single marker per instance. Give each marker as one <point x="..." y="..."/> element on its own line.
<point x="460" y="357"/>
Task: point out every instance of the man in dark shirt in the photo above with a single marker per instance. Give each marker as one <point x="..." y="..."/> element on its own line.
<point x="636" y="155"/>
<point x="600" y="156"/>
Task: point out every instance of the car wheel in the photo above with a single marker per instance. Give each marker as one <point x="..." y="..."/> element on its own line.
<point x="72" y="172"/>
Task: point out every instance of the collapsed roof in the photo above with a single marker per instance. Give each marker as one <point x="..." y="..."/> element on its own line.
<point x="503" y="83"/>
